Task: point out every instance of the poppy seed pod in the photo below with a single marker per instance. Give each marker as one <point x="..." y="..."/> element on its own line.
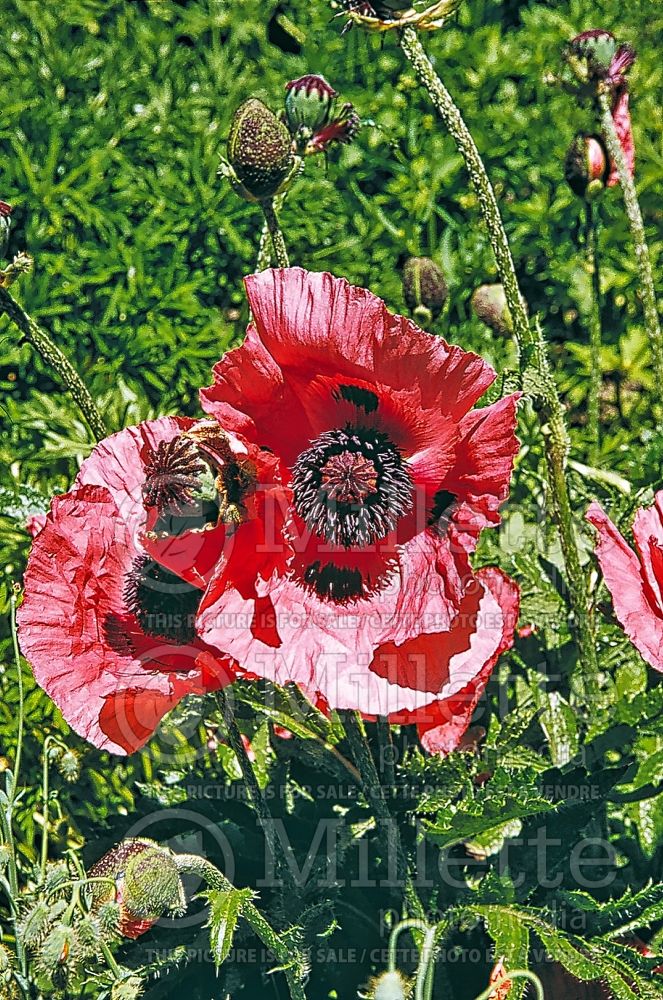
<point x="587" y="166"/>
<point x="424" y="287"/>
<point x="308" y="103"/>
<point x="259" y="151"/>
<point x="5" y="226"/>
<point x="146" y="884"/>
<point x="490" y="305"/>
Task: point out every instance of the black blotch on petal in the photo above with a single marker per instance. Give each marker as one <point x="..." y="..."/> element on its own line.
<point x="364" y="399"/>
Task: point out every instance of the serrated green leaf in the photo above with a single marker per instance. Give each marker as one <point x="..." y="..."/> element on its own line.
<point x="225" y="909"/>
<point x="510" y="937"/>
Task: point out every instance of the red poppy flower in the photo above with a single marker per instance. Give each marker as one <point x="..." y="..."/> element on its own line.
<point x="109" y="628"/>
<point x="636" y="584"/>
<point x="386" y="475"/>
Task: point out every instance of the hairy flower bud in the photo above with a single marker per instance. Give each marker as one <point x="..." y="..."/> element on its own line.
<point x="259" y="151"/>
<point x="145" y="883"/>
<point x="5" y="226"/>
<point x="489" y="304"/>
<point x="424" y="287"/>
<point x="69" y="765"/>
<point x="390" y="986"/>
<point x="308" y="103"/>
<point x="587" y="166"/>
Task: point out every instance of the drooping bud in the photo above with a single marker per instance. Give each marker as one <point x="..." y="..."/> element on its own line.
<point x="424" y="287"/>
<point x="5" y="226"/>
<point x="587" y="166"/>
<point x="69" y="765"/>
<point x="259" y="151"/>
<point x="143" y="880"/>
<point x="390" y="986"/>
<point x="308" y="103"/>
<point x="490" y="305"/>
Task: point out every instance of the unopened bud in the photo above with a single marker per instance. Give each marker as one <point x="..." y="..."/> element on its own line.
<point x="390" y="986"/>
<point x="259" y="151"/>
<point x="5" y="226"/>
<point x="596" y="55"/>
<point x="128" y="988"/>
<point x="586" y="167"/>
<point x="490" y="305"/>
<point x="308" y="103"/>
<point x="424" y="287"/>
<point x="68" y="764"/>
<point x="143" y="880"/>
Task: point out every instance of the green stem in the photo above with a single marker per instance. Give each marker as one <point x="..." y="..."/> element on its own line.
<point x="426" y="965"/>
<point x="491" y="992"/>
<point x="532" y="345"/>
<point x="374" y="792"/>
<point x="56" y="360"/>
<point x="595" y="334"/>
<point x="110" y="960"/>
<point x="634" y="214"/>
<point x="557" y="450"/>
<point x="8" y="825"/>
<point x="278" y="243"/>
<point x="387" y="750"/>
<point x="21" y="700"/>
<point x="193" y="864"/>
<point x="255" y="794"/>
<point x="48" y="742"/>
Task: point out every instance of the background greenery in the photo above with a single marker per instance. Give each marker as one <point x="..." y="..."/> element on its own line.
<point x="113" y="119"/>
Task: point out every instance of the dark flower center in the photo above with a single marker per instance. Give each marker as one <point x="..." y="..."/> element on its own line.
<point x="172" y="476"/>
<point x="351" y="486"/>
<point x="165" y="606"/>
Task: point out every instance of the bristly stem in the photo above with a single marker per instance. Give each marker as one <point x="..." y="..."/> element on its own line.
<point x="195" y="865"/>
<point x="374" y="792"/>
<point x="595" y="333"/>
<point x="56" y="360"/>
<point x="632" y="206"/>
<point x="255" y="794"/>
<point x="278" y="243"/>
<point x="531" y="343"/>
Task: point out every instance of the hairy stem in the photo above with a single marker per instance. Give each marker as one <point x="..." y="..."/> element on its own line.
<point x="278" y="243"/>
<point x="256" y="796"/>
<point x="532" y="345"/>
<point x="374" y="792"/>
<point x="634" y="214"/>
<point x="56" y="360"/>
<point x="193" y="864"/>
<point x="595" y="334"/>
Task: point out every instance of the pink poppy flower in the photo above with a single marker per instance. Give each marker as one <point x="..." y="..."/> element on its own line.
<point x="635" y="580"/>
<point x="108" y="628"/>
<point x="386" y="476"/>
